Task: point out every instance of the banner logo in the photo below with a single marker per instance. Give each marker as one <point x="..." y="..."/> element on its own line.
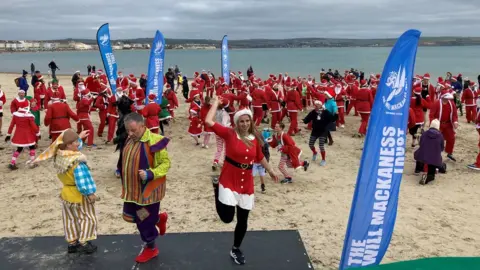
<point x="104" y="40"/>
<point x="108" y="59"/>
<point x="397" y="83"/>
<point x="155" y="67"/>
<point x="158" y="47"/>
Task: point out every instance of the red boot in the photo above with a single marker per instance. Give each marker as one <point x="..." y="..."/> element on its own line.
<point x="147" y="254"/>
<point x="162" y="222"/>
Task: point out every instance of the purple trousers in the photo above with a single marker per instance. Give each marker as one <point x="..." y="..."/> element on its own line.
<point x="146" y="218"/>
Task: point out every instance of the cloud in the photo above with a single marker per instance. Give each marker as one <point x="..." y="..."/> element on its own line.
<point x="211" y="19"/>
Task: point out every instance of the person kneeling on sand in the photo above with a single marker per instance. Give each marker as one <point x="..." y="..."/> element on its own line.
<point x="78" y="192"/>
<point x="429" y="154"/>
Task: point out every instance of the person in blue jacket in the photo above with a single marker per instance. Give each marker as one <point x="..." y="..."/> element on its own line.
<point x="22" y="82"/>
<point x="331" y="106"/>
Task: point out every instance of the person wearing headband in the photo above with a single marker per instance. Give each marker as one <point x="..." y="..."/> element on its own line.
<point x="19" y="102"/>
<point x="78" y="192"/>
<point x="234" y="189"/>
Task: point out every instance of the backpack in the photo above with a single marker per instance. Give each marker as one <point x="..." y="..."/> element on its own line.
<point x="17" y="82"/>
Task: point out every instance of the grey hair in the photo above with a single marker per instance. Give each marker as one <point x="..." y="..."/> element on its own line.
<point x="134" y="117"/>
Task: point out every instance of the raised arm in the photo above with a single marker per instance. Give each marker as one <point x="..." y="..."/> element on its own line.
<point x="210" y="118"/>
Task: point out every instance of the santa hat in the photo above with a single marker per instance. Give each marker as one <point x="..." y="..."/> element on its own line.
<point x="241" y="113"/>
<point x="363" y="82"/>
<point x="426" y="76"/>
<point x="152" y="97"/>
<point x="119" y="89"/>
<point x="317" y="102"/>
<point x="323" y="82"/>
<point x="21" y="91"/>
<point x="100" y="71"/>
<point x="143" y="75"/>
<point x="440" y="80"/>
<point x="377" y="76"/>
<point x="447" y="96"/>
<point x="472" y="83"/>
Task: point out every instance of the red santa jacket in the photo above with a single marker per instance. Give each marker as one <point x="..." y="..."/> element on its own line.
<point x="93" y="85"/>
<point x="258" y="98"/>
<point x="340" y="94"/>
<point x="3" y="100"/>
<point x="445" y="113"/>
<point x="18" y="103"/>
<point x="294" y="103"/>
<point x="352" y="91"/>
<point x="101" y="102"/>
<point x="60" y="94"/>
<point x="58" y="117"/>
<point x="39" y="90"/>
<point x="319" y="95"/>
<point x="411" y="118"/>
<point x="431" y="90"/>
<point x="364" y="100"/>
<point x="469" y="97"/>
<point x="150" y="113"/>
<point x="26" y="131"/>
<point x="172" y="99"/>
<point x="287" y="146"/>
<point x="83" y="108"/>
<point x="418" y="108"/>
<point x="122" y="82"/>
<point x="242" y="99"/>
<point x="308" y="90"/>
<point x="230" y="99"/>
<point x="274" y="98"/>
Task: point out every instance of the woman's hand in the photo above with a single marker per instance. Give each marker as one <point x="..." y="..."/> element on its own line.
<point x="84" y="134"/>
<point x="92" y="198"/>
<point x="273" y="176"/>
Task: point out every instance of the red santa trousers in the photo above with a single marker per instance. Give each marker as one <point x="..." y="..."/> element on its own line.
<point x="471" y="113"/>
<point x="257" y="115"/>
<point x="293" y="123"/>
<point x="352" y="104"/>
<point x="275" y="118"/>
<point x="112" y="124"/>
<point x="87" y="125"/>
<point x="210" y="91"/>
<point x="341" y="116"/>
<point x="103" y="118"/>
<point x="283" y="113"/>
<point x="449" y="135"/>
<point x="363" y="123"/>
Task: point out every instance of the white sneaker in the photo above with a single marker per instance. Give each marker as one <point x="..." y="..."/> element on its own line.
<point x="342" y="126"/>
<point x="203" y="145"/>
<point x="206" y="146"/>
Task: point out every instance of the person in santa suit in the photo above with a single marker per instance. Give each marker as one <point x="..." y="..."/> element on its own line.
<point x="305" y="91"/>
<point x="210" y="83"/>
<point x="172" y="100"/>
<point x="19" y="102"/>
<point x="411" y="123"/>
<point x="229" y="98"/>
<point x="352" y="90"/>
<point x="243" y="98"/>
<point x="274" y="98"/>
<point x="418" y="104"/>
<point x="195" y="127"/>
<point x="39" y="92"/>
<point x="151" y="112"/>
<point x="445" y="111"/>
<point x="54" y="91"/>
<point x="3" y="100"/>
<point x="468" y="98"/>
<point x="364" y="103"/>
<point x="373" y="87"/>
<point x="207" y="131"/>
<point x="294" y="105"/>
<point x="320" y="120"/>
<point x="101" y="103"/>
<point x="112" y="113"/>
<point x="476" y="165"/>
<point x="427" y="88"/>
<point x="58" y="117"/>
<point x="234" y="189"/>
<point x="26" y="133"/>
<point x="83" y="112"/>
<point x="138" y="95"/>
<point x="258" y="98"/>
<point x="102" y="77"/>
<point x="122" y="81"/>
<point x="290" y="153"/>
<point x="340" y="97"/>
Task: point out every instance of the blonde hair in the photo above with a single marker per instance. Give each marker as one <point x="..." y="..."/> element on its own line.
<point x="252" y="130"/>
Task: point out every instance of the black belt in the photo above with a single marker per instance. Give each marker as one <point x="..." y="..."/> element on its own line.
<point x="239" y="165"/>
<point x="60" y="117"/>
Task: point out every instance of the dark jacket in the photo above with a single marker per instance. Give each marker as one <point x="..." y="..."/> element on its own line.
<point x="431" y="147"/>
<point x="34" y="80"/>
<point x="185" y="87"/>
<point x="320" y="122"/>
<point x="23" y="84"/>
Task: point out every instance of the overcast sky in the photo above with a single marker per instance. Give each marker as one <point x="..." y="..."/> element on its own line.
<point x="240" y="19"/>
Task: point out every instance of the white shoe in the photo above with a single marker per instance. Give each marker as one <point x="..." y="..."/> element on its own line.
<point x="203" y="145"/>
<point x="206" y="146"/>
<point x="342" y="126"/>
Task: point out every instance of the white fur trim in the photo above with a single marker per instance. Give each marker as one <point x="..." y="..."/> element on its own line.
<point x="233" y="198"/>
<point x="240" y="113"/>
<point x="23" y="145"/>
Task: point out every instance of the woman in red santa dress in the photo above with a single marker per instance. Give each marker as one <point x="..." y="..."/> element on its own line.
<point x="446" y="112"/>
<point x="101" y="103"/>
<point x="290" y="153"/>
<point x="39" y="92"/>
<point x="340" y="97"/>
<point x="83" y="112"/>
<point x="234" y="189"/>
<point x="418" y="104"/>
<point x="476" y="165"/>
<point x="364" y="103"/>
<point x="468" y="98"/>
<point x="151" y="112"/>
<point x="3" y="100"/>
<point x="55" y="90"/>
<point x="58" y="116"/>
<point x="352" y="90"/>
<point x="195" y="127"/>
<point x="25" y="135"/>
<point x="172" y="100"/>
<point x="294" y="105"/>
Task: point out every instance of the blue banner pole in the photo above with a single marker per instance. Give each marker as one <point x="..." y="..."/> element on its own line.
<point x="225" y="60"/>
<point x="108" y="59"/>
<point x="155" y="67"/>
<point x="374" y="204"/>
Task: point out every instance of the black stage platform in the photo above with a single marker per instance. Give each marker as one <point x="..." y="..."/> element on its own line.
<point x="184" y="251"/>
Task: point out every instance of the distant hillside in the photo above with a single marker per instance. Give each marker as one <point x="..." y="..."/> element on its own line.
<point x="297" y="42"/>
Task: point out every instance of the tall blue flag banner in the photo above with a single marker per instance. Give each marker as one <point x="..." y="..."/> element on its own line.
<point x="225" y="60"/>
<point x="374" y="206"/>
<point x="155" y="67"/>
<point x="109" y="63"/>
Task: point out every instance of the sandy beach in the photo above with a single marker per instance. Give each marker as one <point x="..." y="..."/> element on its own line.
<point x="440" y="219"/>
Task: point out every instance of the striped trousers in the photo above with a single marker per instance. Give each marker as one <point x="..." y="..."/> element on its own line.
<point x="79" y="221"/>
<point x="220" y="153"/>
<point x="284" y="163"/>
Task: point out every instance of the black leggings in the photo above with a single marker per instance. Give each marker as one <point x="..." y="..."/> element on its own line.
<point x="20" y="149"/>
<point x="226" y="214"/>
